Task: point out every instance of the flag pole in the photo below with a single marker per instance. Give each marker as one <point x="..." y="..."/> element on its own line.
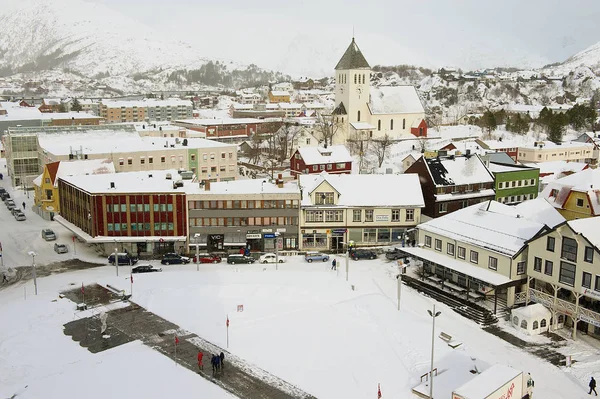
<point x="227" y="331"/>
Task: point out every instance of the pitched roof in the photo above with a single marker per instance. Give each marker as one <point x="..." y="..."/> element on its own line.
<point x="588" y="227"/>
<point x="458" y="170"/>
<point x="587" y="181"/>
<point x="52" y="169"/>
<point x="395" y="100"/>
<point x="321" y="155"/>
<point x="352" y="58"/>
<point x="340" y="110"/>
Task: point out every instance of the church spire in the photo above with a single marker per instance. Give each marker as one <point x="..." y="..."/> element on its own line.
<point x="352" y="58"/>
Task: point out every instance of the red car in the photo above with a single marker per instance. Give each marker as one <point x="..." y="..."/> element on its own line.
<point x="207" y="258"/>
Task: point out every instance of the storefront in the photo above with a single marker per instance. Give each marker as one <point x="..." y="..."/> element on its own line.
<point x="334" y="239"/>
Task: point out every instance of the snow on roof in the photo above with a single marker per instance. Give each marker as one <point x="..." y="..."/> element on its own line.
<point x="539" y="210"/>
<point x="490" y="225"/>
<point x="111" y="141"/>
<point x="362" y="126"/>
<point x="224" y="121"/>
<point x="290" y="105"/>
<point x="586" y="181"/>
<point x="554" y="167"/>
<point x="321" y="155"/>
<point x="248" y="187"/>
<point x="501" y="167"/>
<point x="458" y="170"/>
<point x="487" y="382"/>
<point x="73" y="115"/>
<point x="147" y="103"/>
<point x="51" y="101"/>
<point x="417" y="122"/>
<point x="589" y="228"/>
<point x="24" y="113"/>
<point x="84" y="167"/>
<point x="238" y="106"/>
<point x="498" y="145"/>
<point x="534" y="311"/>
<point x="279" y="93"/>
<point x="367" y="190"/>
<point x="551" y="145"/>
<point x="395" y="100"/>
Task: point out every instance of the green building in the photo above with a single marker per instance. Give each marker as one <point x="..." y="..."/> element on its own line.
<point x="514" y="183"/>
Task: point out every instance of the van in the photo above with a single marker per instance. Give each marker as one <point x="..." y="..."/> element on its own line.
<point x="48" y="235"/>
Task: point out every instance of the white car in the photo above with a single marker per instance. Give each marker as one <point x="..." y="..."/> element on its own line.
<point x="271" y="258"/>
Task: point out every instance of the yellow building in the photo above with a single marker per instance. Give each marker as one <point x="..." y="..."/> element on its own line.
<point x="46" y="199"/>
<point x="279" y="96"/>
<point x="576" y="196"/>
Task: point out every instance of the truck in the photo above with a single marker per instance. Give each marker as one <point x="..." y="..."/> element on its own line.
<point x="497" y="382"/>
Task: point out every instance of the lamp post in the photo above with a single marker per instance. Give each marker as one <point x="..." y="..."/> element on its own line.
<point x="33" y="254"/>
<point x="117" y="258"/>
<point x="433" y="315"/>
<point x="196" y="239"/>
<point x="277" y="234"/>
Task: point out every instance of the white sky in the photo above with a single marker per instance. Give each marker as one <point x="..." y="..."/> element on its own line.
<point x="309" y="36"/>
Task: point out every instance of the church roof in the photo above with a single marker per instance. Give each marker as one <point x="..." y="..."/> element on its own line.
<point x="352" y="58"/>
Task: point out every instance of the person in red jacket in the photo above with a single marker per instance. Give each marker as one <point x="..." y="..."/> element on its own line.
<point x="200" y="356"/>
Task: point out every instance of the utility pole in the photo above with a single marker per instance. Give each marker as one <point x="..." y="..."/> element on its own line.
<point x="33" y="254"/>
<point x="433" y="315"/>
<point x="197" y="238"/>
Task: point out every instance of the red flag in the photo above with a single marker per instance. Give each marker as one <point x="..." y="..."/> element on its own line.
<point x="378" y="391"/>
<point x="227" y="323"/>
<point x="176" y="340"/>
<point x="82" y="290"/>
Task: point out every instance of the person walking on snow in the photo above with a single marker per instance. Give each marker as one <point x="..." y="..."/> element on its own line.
<point x="592" y="386"/>
<point x="23" y="205"/>
<point x="213" y="362"/>
<point x="222" y="359"/>
<point x="200" y="365"/>
<point x="333" y="264"/>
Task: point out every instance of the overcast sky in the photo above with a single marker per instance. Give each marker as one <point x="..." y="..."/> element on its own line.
<point x="307" y="37"/>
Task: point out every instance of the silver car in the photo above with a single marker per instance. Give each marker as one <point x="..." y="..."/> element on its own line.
<point x="60" y="248"/>
<point x="19" y="216"/>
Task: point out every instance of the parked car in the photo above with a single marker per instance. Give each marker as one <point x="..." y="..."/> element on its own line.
<point x="124" y="259"/>
<point x="60" y="248"/>
<point x="239" y="258"/>
<point x="394" y="254"/>
<point x="316" y="256"/>
<point x="19" y="216"/>
<point x="48" y="235"/>
<point x="2" y="190"/>
<point x="363" y="254"/>
<point x="10" y="204"/>
<point x="145" y="269"/>
<point x="207" y="258"/>
<point x="5" y="196"/>
<point x="174" y="259"/>
<point x="271" y="258"/>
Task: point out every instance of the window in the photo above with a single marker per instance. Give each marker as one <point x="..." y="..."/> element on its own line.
<point x="403" y="124"/>
<point x="357" y="215"/>
<point x="462" y="252"/>
<point x="142" y="160"/>
<point x="474" y="257"/>
<point x="223" y="155"/>
<point x="410" y="215"/>
<point x="121" y="161"/>
<point x="129" y="161"/>
<point x="428" y="241"/>
<point x="315" y="168"/>
<point x="368" y="215"/>
<point x="580" y="202"/>
<point x="535" y="325"/>
<point x="550" y="244"/>
<point x="586" y="280"/>
<point x="438" y="244"/>
<point x="443" y="207"/>
<point x="358" y="116"/>
<point x="597" y="284"/>
<point x="548" y="268"/>
<point x="532" y="182"/>
<point x="334" y="216"/>
<point x="395" y="215"/>
<point x="150" y="160"/>
<point x="543" y="323"/>
<point x="354" y="78"/>
<point x="450" y="249"/>
<point x="163" y="159"/>
<point x="567" y="273"/>
<point x="391" y="124"/>
<point x="379" y="124"/>
<point x="521" y="268"/>
<point x="524" y="324"/>
<point x="569" y="249"/>
<point x="500" y="185"/>
<point x="324" y="198"/>
<point x="492" y="264"/>
<point x="588" y="256"/>
<point x="314" y="216"/>
<point x="537" y="264"/>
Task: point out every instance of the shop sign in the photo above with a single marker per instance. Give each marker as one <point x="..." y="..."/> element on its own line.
<point x="591" y="293"/>
<point x="281" y="230"/>
<point x="253" y="236"/>
<point x="589" y="320"/>
<point x="382" y="218"/>
<point x="339" y="231"/>
<point x="267" y="230"/>
<point x="269" y="235"/>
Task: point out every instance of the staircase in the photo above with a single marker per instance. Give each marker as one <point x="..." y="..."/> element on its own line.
<point x="470" y="310"/>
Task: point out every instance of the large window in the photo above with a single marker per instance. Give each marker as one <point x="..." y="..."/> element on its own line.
<point x="428" y="241"/>
<point x="438" y="244"/>
<point x="450" y="249"/>
<point x="474" y="257"/>
<point x="493" y="263"/>
<point x="443" y="207"/>
<point x="369" y="235"/>
<point x="383" y="235"/>
<point x="410" y="215"/>
<point x="589" y="254"/>
<point x="314" y="216"/>
<point x="368" y="215"/>
<point x="569" y="249"/>
<point x="586" y="280"/>
<point x="324" y="198"/>
<point x="550" y="244"/>
<point x="537" y="264"/>
<point x="334" y="216"/>
<point x="314" y="240"/>
<point x="597" y="284"/>
<point x="567" y="273"/>
<point x="548" y="268"/>
<point x="356" y="215"/>
<point x="462" y="252"/>
<point x="395" y="215"/>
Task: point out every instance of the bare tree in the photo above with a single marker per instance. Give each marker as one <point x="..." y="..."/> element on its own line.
<point x="327" y="127"/>
<point x="381" y="148"/>
<point x="285" y="138"/>
<point x="255" y="148"/>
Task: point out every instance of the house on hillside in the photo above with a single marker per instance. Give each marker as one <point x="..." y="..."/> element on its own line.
<point x="334" y="159"/>
<point x="453" y="182"/>
<point x="575" y="196"/>
<point x="279" y="96"/>
<point x="50" y="105"/>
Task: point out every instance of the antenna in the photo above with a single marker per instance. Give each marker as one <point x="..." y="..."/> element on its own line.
<point x="352" y="32"/>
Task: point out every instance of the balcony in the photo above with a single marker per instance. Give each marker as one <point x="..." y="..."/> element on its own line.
<point x="579" y="312"/>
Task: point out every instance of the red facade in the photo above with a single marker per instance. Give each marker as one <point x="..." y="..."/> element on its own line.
<point x="298" y="166"/>
<point x="421" y="130"/>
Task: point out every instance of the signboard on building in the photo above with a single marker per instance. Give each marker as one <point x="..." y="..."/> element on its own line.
<point x="382" y="218"/>
<point x="267" y="230"/>
<point x="589" y="320"/>
<point x="281" y="230"/>
<point x="253" y="236"/>
<point x="269" y="235"/>
<point x="339" y="231"/>
<point x="591" y="293"/>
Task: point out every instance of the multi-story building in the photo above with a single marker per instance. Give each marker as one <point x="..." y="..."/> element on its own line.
<point x="483" y="248"/>
<point x="366" y="209"/>
<point x="73" y="119"/>
<point x="545" y="151"/>
<point x="46" y="197"/>
<point x="563" y="269"/>
<point x="453" y="182"/>
<point x="514" y="183"/>
<point x="252" y="214"/>
<point x="333" y="159"/>
<point x="50" y="105"/>
<point x="224" y="129"/>
<point x="507" y="147"/>
<point x="279" y="96"/>
<point x="575" y="196"/>
<point x="141" y="212"/>
<point x="145" y="110"/>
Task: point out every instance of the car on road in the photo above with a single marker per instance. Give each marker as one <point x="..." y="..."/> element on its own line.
<point x="5" y="196"/>
<point x="48" y="235"/>
<point x="312" y="256"/>
<point x="10" y="204"/>
<point x="363" y="254"/>
<point x="60" y="248"/>
<point x="174" y="259"/>
<point x="271" y="258"/>
<point x="394" y="254"/>
<point x="145" y="269"/>
<point x="124" y="259"/>
<point x="19" y="215"/>
<point x="2" y="191"/>
<point x="239" y="258"/>
<point x="207" y="258"/>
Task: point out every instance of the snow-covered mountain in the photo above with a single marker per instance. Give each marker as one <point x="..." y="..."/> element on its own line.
<point x="590" y="58"/>
<point x="87" y="38"/>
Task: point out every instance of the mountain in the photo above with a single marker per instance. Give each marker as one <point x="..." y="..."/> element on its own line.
<point x="590" y="58"/>
<point x="85" y="38"/>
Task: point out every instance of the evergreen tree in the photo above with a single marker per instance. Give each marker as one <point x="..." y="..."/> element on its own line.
<point x="488" y="122"/>
<point x="556" y="127"/>
<point x="76" y="106"/>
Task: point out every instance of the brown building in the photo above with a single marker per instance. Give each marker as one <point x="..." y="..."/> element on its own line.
<point x="74" y="119"/>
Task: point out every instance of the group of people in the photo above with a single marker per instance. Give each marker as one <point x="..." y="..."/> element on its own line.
<point x="217" y="362"/>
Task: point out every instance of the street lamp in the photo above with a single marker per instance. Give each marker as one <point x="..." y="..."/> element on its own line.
<point x="117" y="257"/>
<point x="196" y="239"/>
<point x="33" y="254"/>
<point x="433" y="315"/>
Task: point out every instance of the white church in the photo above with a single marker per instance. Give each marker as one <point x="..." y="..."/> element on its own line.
<point x="366" y="112"/>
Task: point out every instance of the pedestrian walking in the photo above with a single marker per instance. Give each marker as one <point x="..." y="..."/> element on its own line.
<point x="218" y="363"/>
<point x="222" y="359"/>
<point x="333" y="264"/>
<point x="213" y="362"/>
<point x="23" y="205"/>
<point x="200" y="356"/>
<point x="592" y="386"/>
<point x="4" y="279"/>
<point x="1" y="176"/>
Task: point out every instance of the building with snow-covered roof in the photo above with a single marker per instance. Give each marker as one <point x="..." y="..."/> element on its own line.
<point x="510" y="148"/>
<point x="497" y="382"/>
<point x="23" y="116"/>
<point x="365" y="209"/>
<point x="229" y="129"/>
<point x="333" y="159"/>
<point x="575" y="196"/>
<point x="279" y="96"/>
<point x="546" y="151"/>
<point x="514" y="183"/>
<point x="563" y="266"/>
<point x="50" y="105"/>
<point x="550" y="171"/>
<point x="145" y="110"/>
<point x="391" y="110"/>
<point x="453" y="182"/>
<point x="481" y="248"/>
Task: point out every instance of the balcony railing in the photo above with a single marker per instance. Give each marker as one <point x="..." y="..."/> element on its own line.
<point x="560" y="306"/>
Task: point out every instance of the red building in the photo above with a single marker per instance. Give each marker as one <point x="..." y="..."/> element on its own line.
<point x="419" y="128"/>
<point x="143" y="212"/>
<point x="334" y="159"/>
<point x="512" y="149"/>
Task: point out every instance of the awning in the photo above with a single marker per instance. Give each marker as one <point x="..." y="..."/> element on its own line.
<point x="494" y="279"/>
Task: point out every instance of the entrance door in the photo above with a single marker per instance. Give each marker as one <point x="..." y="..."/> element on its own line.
<point x="215" y="242"/>
<point x="337" y="243"/>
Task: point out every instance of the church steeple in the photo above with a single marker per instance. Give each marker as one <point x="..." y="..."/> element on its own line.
<point x="352" y="59"/>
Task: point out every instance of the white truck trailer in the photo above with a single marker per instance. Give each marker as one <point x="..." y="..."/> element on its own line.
<point x="497" y="382"/>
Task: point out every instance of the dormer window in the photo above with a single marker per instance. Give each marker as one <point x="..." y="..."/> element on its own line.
<point x="324" y="198"/>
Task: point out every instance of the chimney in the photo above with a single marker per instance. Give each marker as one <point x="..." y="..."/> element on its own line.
<point x="206" y="185"/>
<point x="112" y="184"/>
